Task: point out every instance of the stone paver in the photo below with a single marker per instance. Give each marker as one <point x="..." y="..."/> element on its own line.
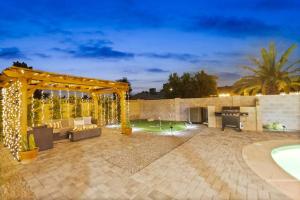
<point x="12" y="184"/>
<point x="207" y="166"/>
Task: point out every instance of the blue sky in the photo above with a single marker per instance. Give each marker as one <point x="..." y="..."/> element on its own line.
<point x="144" y="40"/>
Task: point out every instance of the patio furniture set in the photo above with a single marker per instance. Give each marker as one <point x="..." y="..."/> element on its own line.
<point x="73" y="129"/>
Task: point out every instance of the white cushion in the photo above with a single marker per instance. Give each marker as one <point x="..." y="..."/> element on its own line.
<point x="87" y="120"/>
<point x="78" y="122"/>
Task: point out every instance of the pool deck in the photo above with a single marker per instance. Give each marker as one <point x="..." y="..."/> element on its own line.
<point x="259" y="159"/>
<point x="209" y="165"/>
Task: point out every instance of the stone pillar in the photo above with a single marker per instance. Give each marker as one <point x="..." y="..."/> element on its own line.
<point x="259" y="125"/>
<point x="212" y="123"/>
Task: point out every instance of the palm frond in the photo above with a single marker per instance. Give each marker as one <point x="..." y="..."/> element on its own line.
<point x="272" y="53"/>
<point x="250" y="69"/>
<point x="284" y="58"/>
<point x="254" y="61"/>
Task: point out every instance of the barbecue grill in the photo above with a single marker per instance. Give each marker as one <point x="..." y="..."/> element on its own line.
<point x="231" y="117"/>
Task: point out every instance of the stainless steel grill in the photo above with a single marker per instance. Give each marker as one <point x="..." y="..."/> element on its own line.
<point x="231" y="117"/>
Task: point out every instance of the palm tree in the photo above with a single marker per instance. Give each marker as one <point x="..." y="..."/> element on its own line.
<point x="270" y="76"/>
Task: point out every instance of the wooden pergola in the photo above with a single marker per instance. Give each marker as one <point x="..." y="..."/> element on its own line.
<point x="32" y="80"/>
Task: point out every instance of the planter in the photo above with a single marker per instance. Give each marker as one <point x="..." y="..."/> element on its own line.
<point x="127" y="131"/>
<point x="28" y="155"/>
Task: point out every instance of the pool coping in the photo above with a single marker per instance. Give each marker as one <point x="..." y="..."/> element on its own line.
<point x="258" y="158"/>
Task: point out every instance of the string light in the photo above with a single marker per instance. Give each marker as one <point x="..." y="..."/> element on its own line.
<point x="127" y="113"/>
<point x="102" y="109"/>
<point x="43" y="102"/>
<point x="68" y="102"/>
<point x="117" y="109"/>
<point x="52" y="105"/>
<point x="82" y="104"/>
<point x="111" y="109"/>
<point x="60" y="111"/>
<point x="88" y="101"/>
<point x="32" y="110"/>
<point x="75" y="96"/>
<point x="11" y="114"/>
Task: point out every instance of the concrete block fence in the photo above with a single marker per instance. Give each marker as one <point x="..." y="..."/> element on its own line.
<point x="262" y="110"/>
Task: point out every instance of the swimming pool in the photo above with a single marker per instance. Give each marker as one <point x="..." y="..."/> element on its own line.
<point x="288" y="158"/>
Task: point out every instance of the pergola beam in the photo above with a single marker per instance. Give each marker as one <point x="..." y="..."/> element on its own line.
<point x="16" y="72"/>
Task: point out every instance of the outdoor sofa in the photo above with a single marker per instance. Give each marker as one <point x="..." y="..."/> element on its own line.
<point x="62" y="127"/>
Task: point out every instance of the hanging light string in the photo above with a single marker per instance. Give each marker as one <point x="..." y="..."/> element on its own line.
<point x="11" y="114"/>
<point x="43" y="104"/>
<point x="127" y="113"/>
<point x="68" y="102"/>
<point x="105" y="110"/>
<point x="111" y="109"/>
<point x="52" y="104"/>
<point x="101" y="114"/>
<point x="82" y="106"/>
<point x="75" y="97"/>
<point x="32" y="110"/>
<point x="117" y="109"/>
<point x="88" y="106"/>
<point x="60" y="110"/>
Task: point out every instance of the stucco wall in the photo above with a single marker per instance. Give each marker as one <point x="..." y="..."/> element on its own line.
<point x="273" y="108"/>
<point x="283" y="109"/>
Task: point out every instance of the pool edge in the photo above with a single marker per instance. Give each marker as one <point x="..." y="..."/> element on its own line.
<point x="258" y="158"/>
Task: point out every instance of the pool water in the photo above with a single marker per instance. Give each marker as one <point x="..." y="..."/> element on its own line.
<point x="288" y="158"/>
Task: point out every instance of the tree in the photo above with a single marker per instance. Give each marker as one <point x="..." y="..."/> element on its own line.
<point x="125" y="80"/>
<point x="270" y="75"/>
<point x="21" y="64"/>
<point x="172" y="89"/>
<point x="190" y="85"/>
<point x="205" y="84"/>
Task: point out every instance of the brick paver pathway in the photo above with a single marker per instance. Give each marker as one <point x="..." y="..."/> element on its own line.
<point x="207" y="166"/>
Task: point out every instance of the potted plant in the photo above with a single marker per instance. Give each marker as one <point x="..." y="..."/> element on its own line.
<point x="29" y="150"/>
<point x="128" y="131"/>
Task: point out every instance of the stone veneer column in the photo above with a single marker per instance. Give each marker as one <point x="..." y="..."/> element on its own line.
<point x="212" y="123"/>
<point x="259" y="126"/>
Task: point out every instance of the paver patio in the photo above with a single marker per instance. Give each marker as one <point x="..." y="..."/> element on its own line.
<point x="208" y="165"/>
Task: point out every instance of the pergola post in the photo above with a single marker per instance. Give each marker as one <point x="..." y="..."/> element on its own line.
<point x="124" y="126"/>
<point x="23" y="107"/>
<point x="96" y="106"/>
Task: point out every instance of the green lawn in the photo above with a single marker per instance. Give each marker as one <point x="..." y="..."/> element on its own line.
<point x="154" y="126"/>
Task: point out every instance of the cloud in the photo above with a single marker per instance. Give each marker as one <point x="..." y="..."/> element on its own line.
<point x="93" y="32"/>
<point x="6" y="33"/>
<point x="278" y="4"/>
<point x="93" y="42"/>
<point x="10" y="53"/>
<point x="52" y="30"/>
<point x="156" y="70"/>
<point x="228" y="76"/>
<point x="96" y="50"/>
<point x="42" y="55"/>
<point x="176" y="56"/>
<point x="235" y="27"/>
<point x="229" y="54"/>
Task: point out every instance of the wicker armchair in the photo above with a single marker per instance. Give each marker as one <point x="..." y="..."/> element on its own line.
<point x="43" y="137"/>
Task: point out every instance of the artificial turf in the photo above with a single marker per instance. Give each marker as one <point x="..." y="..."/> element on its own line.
<point x="154" y="126"/>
